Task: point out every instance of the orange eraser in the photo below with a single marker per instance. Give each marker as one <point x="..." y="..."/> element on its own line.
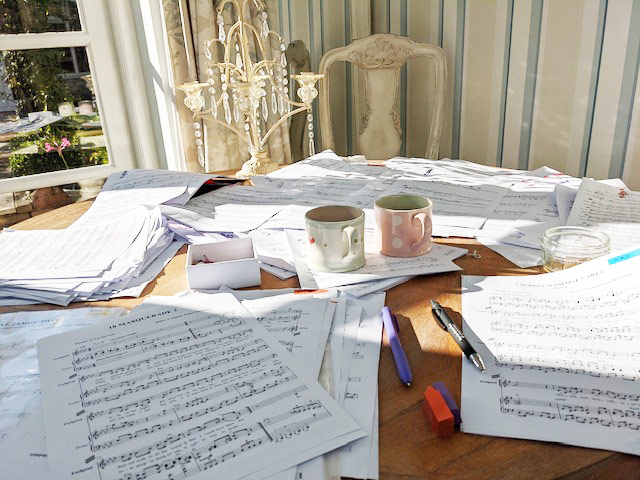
<point x="438" y="413"/>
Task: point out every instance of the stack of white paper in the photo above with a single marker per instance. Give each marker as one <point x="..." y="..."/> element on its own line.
<point x="114" y="250"/>
<point x="108" y="258"/>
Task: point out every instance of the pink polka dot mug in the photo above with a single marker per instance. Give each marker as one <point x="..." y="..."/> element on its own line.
<point x="403" y="225"/>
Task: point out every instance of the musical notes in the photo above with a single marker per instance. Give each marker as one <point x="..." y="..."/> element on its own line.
<point x="21" y="425"/>
<point x="179" y="388"/>
<point x="562" y="350"/>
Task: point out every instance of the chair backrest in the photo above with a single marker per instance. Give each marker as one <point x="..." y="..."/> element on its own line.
<point x="380" y="57"/>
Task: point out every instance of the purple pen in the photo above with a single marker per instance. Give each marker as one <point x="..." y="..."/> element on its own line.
<point x="402" y="364"/>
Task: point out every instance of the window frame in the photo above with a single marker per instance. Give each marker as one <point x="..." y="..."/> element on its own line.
<point x="110" y="40"/>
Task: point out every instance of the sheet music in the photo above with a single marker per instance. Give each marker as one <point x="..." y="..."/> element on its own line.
<point x="272" y="248"/>
<point x="361" y="393"/>
<point x="365" y="288"/>
<point x="565" y="195"/>
<point x="300" y="323"/>
<point x="187" y="388"/>
<point x="562" y="354"/>
<point x="66" y="253"/>
<point x="141" y="187"/>
<point x="232" y="209"/>
<point x="22" y="439"/>
<point x="608" y="209"/>
<point x="453" y="204"/>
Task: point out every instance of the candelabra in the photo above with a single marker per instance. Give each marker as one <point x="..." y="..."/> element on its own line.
<point x="243" y="83"/>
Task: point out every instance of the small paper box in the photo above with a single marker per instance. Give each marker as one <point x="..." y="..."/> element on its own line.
<point x="234" y="265"/>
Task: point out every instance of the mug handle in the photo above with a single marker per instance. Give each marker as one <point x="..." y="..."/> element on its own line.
<point x="423" y="239"/>
<point x="350" y="231"/>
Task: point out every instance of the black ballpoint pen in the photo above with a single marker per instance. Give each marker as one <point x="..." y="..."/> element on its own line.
<point x="447" y="324"/>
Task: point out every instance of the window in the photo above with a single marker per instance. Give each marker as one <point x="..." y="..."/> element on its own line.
<point x="65" y="113"/>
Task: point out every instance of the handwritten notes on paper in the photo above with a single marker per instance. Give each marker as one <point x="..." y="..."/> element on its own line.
<point x="179" y="390"/>
<point x="560" y="366"/>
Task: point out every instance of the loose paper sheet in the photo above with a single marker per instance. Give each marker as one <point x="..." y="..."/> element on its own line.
<point x="22" y="440"/>
<point x="562" y="354"/>
<point x="609" y="209"/>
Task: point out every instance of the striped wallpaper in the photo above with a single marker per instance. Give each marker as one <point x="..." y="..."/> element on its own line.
<point x="531" y="82"/>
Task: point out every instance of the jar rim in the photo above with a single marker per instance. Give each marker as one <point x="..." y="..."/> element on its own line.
<point x="558" y="238"/>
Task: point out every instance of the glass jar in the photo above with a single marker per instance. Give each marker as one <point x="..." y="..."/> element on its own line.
<point x="565" y="247"/>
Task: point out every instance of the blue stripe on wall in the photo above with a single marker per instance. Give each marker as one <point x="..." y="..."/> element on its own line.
<point x="627" y="95"/>
<point x="322" y="27"/>
<point x="315" y="60"/>
<point x="593" y="87"/>
<point x="388" y="16"/>
<point x="505" y="81"/>
<point x="349" y="97"/>
<point x="280" y="17"/>
<point x="457" y="79"/>
<point x="441" y="23"/>
<point x="289" y="11"/>
<point x="530" y="83"/>
<point x="403" y="82"/>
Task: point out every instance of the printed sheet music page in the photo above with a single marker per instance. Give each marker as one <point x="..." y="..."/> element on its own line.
<point x="191" y="389"/>
<point x="562" y="353"/>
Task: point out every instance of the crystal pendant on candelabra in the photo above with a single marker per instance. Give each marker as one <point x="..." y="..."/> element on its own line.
<point x="283" y="60"/>
<point x="236" y="110"/>
<point x="214" y="106"/>
<point x="249" y="143"/>
<point x="221" y="34"/>
<point x="197" y="133"/>
<point x="238" y="57"/>
<point x="265" y="108"/>
<point x="312" y="149"/>
<point x="225" y="106"/>
<point x="207" y="52"/>
<point x="281" y="103"/>
<point x="265" y="26"/>
<point x="201" y="156"/>
<point x="274" y="101"/>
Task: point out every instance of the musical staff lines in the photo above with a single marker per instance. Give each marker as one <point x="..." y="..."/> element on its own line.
<point x="517" y="398"/>
<point x="191" y="390"/>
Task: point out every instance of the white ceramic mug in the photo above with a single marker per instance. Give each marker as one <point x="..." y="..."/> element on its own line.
<point x="336" y="238"/>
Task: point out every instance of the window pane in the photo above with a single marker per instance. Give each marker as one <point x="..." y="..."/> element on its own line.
<point x="38" y="16"/>
<point x="48" y="115"/>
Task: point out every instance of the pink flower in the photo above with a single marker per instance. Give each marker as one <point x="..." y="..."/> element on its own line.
<point x="64" y="143"/>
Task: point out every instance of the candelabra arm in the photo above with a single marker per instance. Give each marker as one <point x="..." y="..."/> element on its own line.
<point x="279" y="122"/>
<point x="211" y="118"/>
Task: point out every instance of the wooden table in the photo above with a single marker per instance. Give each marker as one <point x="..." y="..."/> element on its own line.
<point x="408" y="449"/>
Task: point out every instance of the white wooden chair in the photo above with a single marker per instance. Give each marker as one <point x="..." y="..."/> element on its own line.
<point x="381" y="57"/>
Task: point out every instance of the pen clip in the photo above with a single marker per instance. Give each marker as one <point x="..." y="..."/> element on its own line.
<point x="437" y="311"/>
